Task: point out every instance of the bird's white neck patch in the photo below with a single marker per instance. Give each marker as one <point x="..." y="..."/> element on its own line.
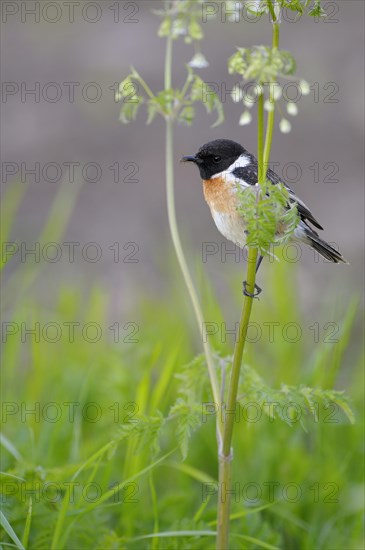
<point x="241" y="162"/>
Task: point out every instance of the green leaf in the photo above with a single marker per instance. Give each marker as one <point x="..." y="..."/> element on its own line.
<point x="195" y="30"/>
<point x="128" y="112"/>
<point x="219" y="108"/>
<point x="257" y="7"/>
<point x="165" y="28"/>
<point x="10" y="531"/>
<point x="187" y="115"/>
<point x="146" y="431"/>
<point x="189" y="418"/>
<point x="293" y="5"/>
<point x="276" y="403"/>
<point x="256" y="542"/>
<point x="317" y="10"/>
<point x="28" y="521"/>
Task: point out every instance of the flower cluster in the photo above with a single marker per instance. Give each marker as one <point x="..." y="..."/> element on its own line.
<point x="262" y="66"/>
<point x="180" y="19"/>
<point x="175" y="104"/>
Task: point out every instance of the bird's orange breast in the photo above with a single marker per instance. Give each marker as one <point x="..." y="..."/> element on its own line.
<point x="219" y="195"/>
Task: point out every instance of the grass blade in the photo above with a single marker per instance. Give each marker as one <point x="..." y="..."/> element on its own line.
<point x="10" y="531"/>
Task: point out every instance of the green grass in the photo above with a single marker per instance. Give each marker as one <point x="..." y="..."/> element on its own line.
<point x="58" y="476"/>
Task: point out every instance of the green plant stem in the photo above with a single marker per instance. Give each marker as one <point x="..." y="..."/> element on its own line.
<point x="226" y="454"/>
<point x="271" y="10"/>
<point x="238" y="352"/>
<point x="271" y="115"/>
<point x="168" y="63"/>
<point x="260" y="137"/>
<point x="176" y="237"/>
<point x="275" y="35"/>
<point x="143" y="83"/>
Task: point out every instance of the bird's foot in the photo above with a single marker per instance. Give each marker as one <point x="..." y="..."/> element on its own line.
<point x="246" y="293"/>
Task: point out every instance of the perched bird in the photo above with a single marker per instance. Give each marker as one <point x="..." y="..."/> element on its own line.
<point x="224" y="165"/>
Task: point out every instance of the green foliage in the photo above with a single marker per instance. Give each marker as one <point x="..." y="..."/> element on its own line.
<point x="145" y="430"/>
<point x="181" y="19"/>
<point x="317" y="10"/>
<point x="128" y="92"/>
<point x="313" y="8"/>
<point x="269" y="215"/>
<point x="42" y="453"/>
<point x="174" y="104"/>
<point x="284" y="403"/>
<point x="188" y="416"/>
<point x="261" y="63"/>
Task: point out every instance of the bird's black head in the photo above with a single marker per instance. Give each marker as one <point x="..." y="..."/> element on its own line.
<point x="216" y="156"/>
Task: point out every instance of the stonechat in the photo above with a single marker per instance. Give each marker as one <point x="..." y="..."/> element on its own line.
<point x="225" y="166"/>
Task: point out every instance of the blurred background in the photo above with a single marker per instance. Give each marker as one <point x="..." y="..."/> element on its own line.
<point x="86" y="194"/>
<point x="45" y="128"/>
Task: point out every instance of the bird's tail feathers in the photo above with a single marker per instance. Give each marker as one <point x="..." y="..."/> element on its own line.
<point x="324" y="249"/>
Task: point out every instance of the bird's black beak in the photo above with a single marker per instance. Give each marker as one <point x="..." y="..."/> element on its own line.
<point x="190" y="159"/>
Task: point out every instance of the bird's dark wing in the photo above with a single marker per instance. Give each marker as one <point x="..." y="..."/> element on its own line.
<point x="303" y="210"/>
<point x="248" y="174"/>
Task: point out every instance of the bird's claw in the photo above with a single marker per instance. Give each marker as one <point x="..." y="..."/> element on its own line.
<point x="246" y="293"/>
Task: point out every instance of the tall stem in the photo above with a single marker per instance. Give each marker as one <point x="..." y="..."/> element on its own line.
<point x="176" y="237"/>
<point x="271" y="115"/>
<point x="226" y="456"/>
<point x="168" y="63"/>
<point x="260" y="138"/>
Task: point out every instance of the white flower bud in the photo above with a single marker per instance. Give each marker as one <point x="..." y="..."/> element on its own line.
<point x="198" y="62"/>
<point x="268" y="105"/>
<point x="304" y="87"/>
<point x="245" y="119"/>
<point x="292" y="109"/>
<point x="285" y="126"/>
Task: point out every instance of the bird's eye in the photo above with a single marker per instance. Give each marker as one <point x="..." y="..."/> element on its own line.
<point x="216" y="159"/>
